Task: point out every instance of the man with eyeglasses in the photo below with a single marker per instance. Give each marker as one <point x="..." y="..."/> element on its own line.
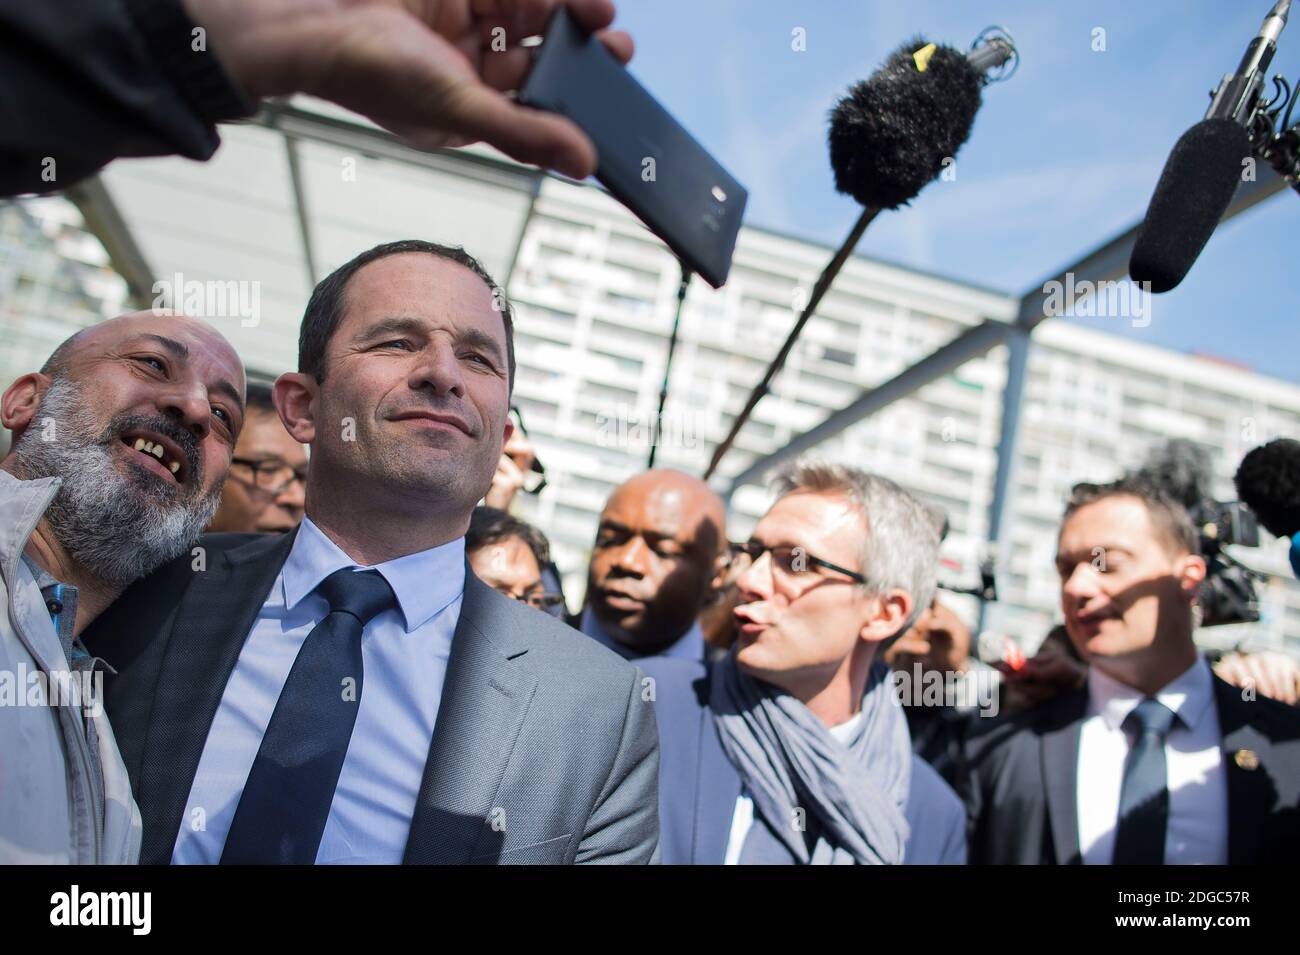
<point x="264" y="491"/>
<point x="793" y="749"/>
<point x="508" y="555"/>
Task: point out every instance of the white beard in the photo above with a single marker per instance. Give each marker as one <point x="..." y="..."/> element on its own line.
<point x="118" y="526"/>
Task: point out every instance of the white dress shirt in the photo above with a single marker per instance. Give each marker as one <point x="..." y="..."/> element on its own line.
<point x="1197" y="831"/>
<point x="404" y="651"/>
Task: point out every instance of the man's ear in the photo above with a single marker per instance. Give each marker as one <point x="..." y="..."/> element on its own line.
<point x="295" y="400"/>
<point x="1190" y="571"/>
<point x="21" y="400"/>
<point x="507" y="431"/>
<point x="889" y="612"/>
<point x="721" y="564"/>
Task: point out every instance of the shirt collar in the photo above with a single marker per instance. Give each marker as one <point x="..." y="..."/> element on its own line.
<point x="844" y="731"/>
<point x="689" y="646"/>
<point x="424" y="582"/>
<point x="61" y="602"/>
<point x="44" y="579"/>
<point x="1189" y="695"/>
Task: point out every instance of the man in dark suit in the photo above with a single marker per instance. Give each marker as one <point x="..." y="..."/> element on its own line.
<point x="793" y="749"/>
<point x="351" y="692"/>
<point x="659" y="553"/>
<point x="1155" y="759"/>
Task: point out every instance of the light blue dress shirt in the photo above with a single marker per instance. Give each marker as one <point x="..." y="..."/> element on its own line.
<point x="404" y="651"/>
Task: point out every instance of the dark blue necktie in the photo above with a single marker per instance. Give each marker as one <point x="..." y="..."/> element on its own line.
<point x="287" y="795"/>
<point x="1144" y="796"/>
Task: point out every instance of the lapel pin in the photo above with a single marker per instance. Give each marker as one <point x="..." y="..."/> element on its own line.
<point x="1246" y="759"/>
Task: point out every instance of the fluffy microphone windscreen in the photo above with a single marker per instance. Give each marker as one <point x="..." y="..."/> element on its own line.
<point x="1182" y="469"/>
<point x="1268" y="480"/>
<point x="1199" y="181"/>
<point x="891" y="133"/>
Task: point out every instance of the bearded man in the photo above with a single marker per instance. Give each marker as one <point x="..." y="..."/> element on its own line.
<point x="121" y="443"/>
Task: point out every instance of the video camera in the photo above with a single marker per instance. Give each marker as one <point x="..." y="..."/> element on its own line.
<point x="1182" y="469"/>
<point x="1228" y="594"/>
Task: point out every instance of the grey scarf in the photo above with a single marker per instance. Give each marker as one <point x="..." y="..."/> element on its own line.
<point x="789" y="761"/>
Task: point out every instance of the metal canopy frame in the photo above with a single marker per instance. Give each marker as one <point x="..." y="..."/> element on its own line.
<point x="104" y="220"/>
<point x="296" y="124"/>
<point x="1107" y="262"/>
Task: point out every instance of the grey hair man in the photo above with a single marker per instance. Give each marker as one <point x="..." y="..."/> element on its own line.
<point x="121" y="443"/>
<point x="807" y="758"/>
<point x="812" y="624"/>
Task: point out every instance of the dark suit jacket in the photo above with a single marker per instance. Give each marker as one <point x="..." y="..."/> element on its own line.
<point x="134" y="91"/>
<point x="1021" y="779"/>
<point x="535" y="719"/>
<point x="698" y="785"/>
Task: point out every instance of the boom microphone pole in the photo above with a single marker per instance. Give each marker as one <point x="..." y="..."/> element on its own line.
<point x="889" y="137"/>
<point x="668" y="362"/>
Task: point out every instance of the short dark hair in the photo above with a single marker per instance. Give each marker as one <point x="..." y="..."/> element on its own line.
<point x="324" y="310"/>
<point x="258" y="398"/>
<point x="490" y="525"/>
<point x="1170" y="519"/>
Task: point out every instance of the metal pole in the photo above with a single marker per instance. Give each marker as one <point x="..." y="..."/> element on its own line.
<point x="668" y="364"/>
<point x="823" y="284"/>
<point x="1109" y="261"/>
<point x="1017" y="366"/>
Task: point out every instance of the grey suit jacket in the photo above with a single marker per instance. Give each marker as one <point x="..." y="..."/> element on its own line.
<point x="543" y="750"/>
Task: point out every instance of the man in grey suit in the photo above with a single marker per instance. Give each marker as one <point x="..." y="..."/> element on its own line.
<point x="351" y="692"/>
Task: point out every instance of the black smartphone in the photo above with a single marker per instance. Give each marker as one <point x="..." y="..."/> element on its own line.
<point x="648" y="161"/>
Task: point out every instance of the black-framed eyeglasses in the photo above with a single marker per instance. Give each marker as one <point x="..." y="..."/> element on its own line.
<point x="269" y="474"/>
<point x="790" y="560"/>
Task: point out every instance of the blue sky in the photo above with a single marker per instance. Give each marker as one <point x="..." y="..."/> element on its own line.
<point x="1062" y="157"/>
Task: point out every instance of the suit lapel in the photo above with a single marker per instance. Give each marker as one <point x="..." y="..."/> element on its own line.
<point x="208" y="631"/>
<point x="717" y="787"/>
<point x="1060" y="761"/>
<point x="1250" y="793"/>
<point x="485" y="697"/>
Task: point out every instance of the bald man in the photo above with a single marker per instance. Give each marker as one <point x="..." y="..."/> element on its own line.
<point x="121" y="444"/>
<point x="660" y="550"/>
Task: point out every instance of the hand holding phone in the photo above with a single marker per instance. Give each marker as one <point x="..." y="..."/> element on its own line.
<point x="647" y="160"/>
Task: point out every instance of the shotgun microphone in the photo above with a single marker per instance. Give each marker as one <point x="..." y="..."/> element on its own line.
<point x="1202" y="173"/>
